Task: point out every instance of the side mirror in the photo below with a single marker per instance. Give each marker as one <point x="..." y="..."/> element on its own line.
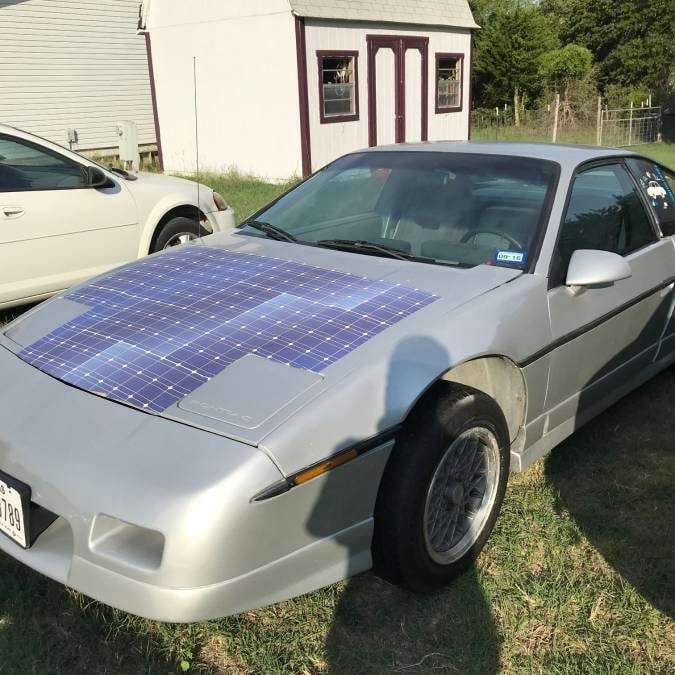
<point x="96" y="178"/>
<point x="596" y="268"/>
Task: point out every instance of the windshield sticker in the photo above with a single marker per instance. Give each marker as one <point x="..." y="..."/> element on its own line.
<point x="511" y="257"/>
<point x="654" y="183"/>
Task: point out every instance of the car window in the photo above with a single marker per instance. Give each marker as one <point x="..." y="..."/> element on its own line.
<point x="658" y="186"/>
<point x="605" y="213"/>
<point x="450" y="208"/>
<point x="24" y="166"/>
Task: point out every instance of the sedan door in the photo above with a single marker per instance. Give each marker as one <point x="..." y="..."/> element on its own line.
<point x="605" y="338"/>
<point x="55" y="230"/>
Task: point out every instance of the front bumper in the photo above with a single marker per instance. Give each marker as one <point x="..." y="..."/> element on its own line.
<point x="186" y="542"/>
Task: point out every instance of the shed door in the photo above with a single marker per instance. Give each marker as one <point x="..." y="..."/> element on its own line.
<point x="397" y="89"/>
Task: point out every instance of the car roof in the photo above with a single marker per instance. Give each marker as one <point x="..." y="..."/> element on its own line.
<point x="570" y="155"/>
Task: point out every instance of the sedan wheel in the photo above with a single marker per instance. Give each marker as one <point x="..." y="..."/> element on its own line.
<point x="176" y="232"/>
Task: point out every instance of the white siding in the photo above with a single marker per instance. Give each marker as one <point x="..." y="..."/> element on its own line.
<point x="74" y="64"/>
<point x="329" y="141"/>
<point x="247" y="91"/>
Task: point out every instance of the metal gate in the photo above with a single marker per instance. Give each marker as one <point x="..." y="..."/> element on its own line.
<point x="629" y="126"/>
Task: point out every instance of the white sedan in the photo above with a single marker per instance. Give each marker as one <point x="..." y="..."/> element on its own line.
<point x="64" y="218"/>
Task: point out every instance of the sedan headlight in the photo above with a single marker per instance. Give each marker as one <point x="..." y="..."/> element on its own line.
<point x="219" y="201"/>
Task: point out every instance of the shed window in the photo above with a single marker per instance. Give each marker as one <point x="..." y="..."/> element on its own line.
<point x="338" y="86"/>
<point x="449" y="82"/>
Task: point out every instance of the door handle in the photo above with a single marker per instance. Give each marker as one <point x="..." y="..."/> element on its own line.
<point x="12" y="211"/>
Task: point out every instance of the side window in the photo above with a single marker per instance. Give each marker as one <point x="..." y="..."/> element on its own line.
<point x="658" y="186"/>
<point x="24" y="166"/>
<point x="604" y="213"/>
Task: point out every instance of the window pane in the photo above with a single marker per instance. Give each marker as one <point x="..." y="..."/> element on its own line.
<point x="24" y="167"/>
<point x="339" y="83"/>
<point x="449" y="82"/>
<point x="604" y="213"/>
<point x="658" y="185"/>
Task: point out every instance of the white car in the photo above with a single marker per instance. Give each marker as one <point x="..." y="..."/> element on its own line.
<point x="654" y="190"/>
<point x="64" y="218"/>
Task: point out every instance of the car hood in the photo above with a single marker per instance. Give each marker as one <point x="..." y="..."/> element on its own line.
<point x="235" y="334"/>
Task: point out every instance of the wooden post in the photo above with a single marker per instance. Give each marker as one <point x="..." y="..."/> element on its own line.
<point x="630" y="125"/>
<point x="556" y="111"/>
<point x="598" y="123"/>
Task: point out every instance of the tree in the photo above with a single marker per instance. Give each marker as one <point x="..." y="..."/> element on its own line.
<point x="560" y="68"/>
<point x="513" y="37"/>
<point x="632" y="41"/>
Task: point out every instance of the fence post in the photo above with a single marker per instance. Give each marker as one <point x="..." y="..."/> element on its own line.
<point x="598" y="123"/>
<point x="555" y="118"/>
<point x="630" y="125"/>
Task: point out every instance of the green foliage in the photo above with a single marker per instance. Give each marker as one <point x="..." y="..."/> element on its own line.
<point x="632" y="41"/>
<point x="508" y="47"/>
<point x="560" y="66"/>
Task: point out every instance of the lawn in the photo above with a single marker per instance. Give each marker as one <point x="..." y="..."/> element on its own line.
<point x="579" y="577"/>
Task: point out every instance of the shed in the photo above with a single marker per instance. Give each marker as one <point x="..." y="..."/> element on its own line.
<point x="285" y="86"/>
<point x="74" y="65"/>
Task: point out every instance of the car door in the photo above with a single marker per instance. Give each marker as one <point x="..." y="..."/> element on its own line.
<point x="658" y="186"/>
<point x="54" y="229"/>
<point x="605" y="337"/>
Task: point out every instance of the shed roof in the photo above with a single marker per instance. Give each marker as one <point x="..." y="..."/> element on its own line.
<point x="454" y="13"/>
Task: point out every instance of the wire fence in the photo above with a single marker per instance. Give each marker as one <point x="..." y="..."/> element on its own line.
<point x="589" y="123"/>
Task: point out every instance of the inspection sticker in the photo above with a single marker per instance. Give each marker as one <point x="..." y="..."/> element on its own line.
<point x="512" y="257"/>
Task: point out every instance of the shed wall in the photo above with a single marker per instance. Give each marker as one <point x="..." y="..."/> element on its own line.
<point x="74" y="64"/>
<point x="329" y="141"/>
<point x="247" y="85"/>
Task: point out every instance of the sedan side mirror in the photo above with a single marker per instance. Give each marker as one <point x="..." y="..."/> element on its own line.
<point x="95" y="178"/>
<point x="596" y="268"/>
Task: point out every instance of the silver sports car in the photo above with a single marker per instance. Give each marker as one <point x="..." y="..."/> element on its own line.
<point x="344" y="382"/>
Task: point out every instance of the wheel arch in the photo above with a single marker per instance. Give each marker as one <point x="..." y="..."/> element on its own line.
<point x="495" y="375"/>
<point x="180" y="210"/>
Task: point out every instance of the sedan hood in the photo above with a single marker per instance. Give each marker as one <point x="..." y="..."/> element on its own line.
<point x="237" y="333"/>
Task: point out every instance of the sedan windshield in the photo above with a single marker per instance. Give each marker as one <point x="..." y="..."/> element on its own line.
<point x="447" y="208"/>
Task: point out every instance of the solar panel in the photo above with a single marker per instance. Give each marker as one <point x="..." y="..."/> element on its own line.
<point x="158" y="329"/>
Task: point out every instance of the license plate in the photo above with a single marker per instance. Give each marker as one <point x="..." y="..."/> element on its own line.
<point x="14" y="509"/>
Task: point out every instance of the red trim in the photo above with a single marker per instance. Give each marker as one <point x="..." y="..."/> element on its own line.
<point x="303" y="96"/>
<point x="399" y="44"/>
<point x="330" y="119"/>
<point x="470" y="102"/>
<point x="454" y="108"/>
<point x="153" y="96"/>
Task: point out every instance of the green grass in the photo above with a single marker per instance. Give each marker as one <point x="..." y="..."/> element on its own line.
<point x="577" y="578"/>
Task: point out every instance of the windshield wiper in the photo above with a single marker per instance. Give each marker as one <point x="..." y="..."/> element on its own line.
<point x="272" y="231"/>
<point x="358" y="245"/>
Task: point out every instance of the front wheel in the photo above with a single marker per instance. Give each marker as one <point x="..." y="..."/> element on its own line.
<point x="442" y="489"/>
<point x="177" y="231"/>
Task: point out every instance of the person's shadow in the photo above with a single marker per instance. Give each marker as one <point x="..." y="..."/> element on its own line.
<point x="380" y="628"/>
<point x="615" y="477"/>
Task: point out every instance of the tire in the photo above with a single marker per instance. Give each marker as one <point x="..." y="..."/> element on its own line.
<point x="423" y="489"/>
<point x="175" y="232"/>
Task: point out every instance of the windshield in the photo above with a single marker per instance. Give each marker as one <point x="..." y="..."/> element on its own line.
<point x="450" y="208"/>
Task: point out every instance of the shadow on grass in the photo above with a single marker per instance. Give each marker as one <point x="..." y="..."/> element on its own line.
<point x="378" y="628"/>
<point x="615" y="477"/>
<point x="47" y="629"/>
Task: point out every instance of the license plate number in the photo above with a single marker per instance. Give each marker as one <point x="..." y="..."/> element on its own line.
<point x="12" y="510"/>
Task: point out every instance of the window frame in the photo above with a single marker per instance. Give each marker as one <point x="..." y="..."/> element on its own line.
<point x="442" y="110"/>
<point x="321" y="54"/>
<point x="619" y="160"/>
<point x="51" y="153"/>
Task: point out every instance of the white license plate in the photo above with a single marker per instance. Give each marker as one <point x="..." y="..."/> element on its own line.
<point x="12" y="511"/>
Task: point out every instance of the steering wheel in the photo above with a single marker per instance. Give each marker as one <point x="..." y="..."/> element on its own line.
<point x="512" y="240"/>
<point x="12" y="178"/>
